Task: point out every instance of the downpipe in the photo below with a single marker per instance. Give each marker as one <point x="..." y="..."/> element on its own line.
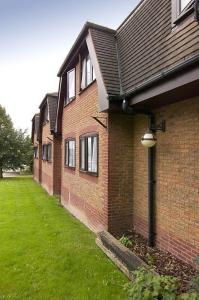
<point x="151" y="171"/>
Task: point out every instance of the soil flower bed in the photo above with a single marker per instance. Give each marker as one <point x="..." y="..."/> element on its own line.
<point x="161" y="261"/>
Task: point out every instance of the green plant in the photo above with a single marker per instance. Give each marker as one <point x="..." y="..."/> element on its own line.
<point x="150" y="286"/>
<point x="126" y="241"/>
<point x="188" y="296"/>
<point x="194" y="284"/>
<point x="150" y="259"/>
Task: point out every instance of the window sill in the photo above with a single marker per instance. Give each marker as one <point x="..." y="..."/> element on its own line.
<point x="89" y="173"/>
<point x="70" y="100"/>
<point x="70" y="168"/>
<point x="84" y="89"/>
<point x="184" y="15"/>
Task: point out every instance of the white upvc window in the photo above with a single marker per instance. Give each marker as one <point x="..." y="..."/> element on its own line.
<point x="89" y="153"/>
<point x="181" y="9"/>
<point x="88" y="73"/>
<point x="70" y="153"/>
<point x="70" y="92"/>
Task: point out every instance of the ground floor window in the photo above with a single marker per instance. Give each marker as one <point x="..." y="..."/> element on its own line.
<point x="35" y="152"/>
<point x="70" y="153"/>
<point x="47" y="152"/>
<point x="89" y="153"/>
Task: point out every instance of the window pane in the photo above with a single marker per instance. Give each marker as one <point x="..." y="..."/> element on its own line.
<point x="66" y="153"/>
<point x="88" y="71"/>
<point x="83" y="82"/>
<point x="94" y="154"/>
<point x="71" y="153"/>
<point x="183" y="4"/>
<point x="71" y="84"/>
<point x="94" y="77"/>
<point x="49" y="152"/>
<point x="90" y="154"/>
<point x="82" y="151"/>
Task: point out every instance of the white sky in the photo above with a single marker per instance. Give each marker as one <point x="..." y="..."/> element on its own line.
<point x="35" y="37"/>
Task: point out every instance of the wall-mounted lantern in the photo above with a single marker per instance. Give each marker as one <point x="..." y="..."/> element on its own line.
<point x="149" y="139"/>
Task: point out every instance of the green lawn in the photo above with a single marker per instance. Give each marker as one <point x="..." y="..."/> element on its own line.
<point x="45" y="253"/>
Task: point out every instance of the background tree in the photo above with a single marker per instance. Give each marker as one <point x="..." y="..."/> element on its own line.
<point x="15" y="145"/>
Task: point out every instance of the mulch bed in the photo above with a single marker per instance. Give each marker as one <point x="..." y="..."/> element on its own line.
<point x="163" y="262"/>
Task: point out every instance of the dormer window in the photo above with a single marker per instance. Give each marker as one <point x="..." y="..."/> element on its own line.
<point x="70" y="93"/>
<point x="183" y="4"/>
<point x="181" y="9"/>
<point x="88" y="74"/>
<point x="46" y="114"/>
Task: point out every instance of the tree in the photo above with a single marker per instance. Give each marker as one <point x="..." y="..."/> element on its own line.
<point x="15" y="145"/>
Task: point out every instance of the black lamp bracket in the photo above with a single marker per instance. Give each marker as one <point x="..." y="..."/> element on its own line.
<point x="104" y="123"/>
<point x="160" y="127"/>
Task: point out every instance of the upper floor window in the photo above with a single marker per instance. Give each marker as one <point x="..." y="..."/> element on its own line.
<point x="183" y="4"/>
<point x="46" y="114"/>
<point x="70" y="93"/>
<point x="47" y="152"/>
<point x="181" y="9"/>
<point x="70" y="153"/>
<point x="89" y="153"/>
<point x="88" y="74"/>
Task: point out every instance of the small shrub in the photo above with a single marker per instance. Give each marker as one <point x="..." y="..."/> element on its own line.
<point x="126" y="241"/>
<point x="150" y="259"/>
<point x="149" y="286"/>
<point x="188" y="296"/>
<point x="194" y="284"/>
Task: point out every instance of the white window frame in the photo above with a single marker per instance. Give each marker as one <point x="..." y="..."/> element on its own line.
<point x="47" y="152"/>
<point x="36" y="152"/>
<point x="70" y="153"/>
<point x="177" y="13"/>
<point x="90" y="156"/>
<point x="85" y="73"/>
<point x="69" y="97"/>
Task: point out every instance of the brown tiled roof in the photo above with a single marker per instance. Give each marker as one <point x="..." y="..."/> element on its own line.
<point x="80" y="37"/>
<point x="106" y="51"/>
<point x="143" y="46"/>
<point x="51" y="100"/>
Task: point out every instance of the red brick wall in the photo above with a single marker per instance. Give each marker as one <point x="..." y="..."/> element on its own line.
<point x="82" y="194"/>
<point x="57" y="165"/>
<point x="47" y="166"/>
<point x="120" y="188"/>
<point x="177" y="178"/>
<point x="36" y="161"/>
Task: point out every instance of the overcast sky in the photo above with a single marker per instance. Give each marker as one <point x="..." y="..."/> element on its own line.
<point x="35" y="36"/>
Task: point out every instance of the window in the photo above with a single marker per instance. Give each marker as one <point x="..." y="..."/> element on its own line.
<point x="88" y="74"/>
<point x="70" y="153"/>
<point x="46" y="152"/>
<point x="70" y="93"/>
<point x="181" y="9"/>
<point x="183" y="4"/>
<point x="46" y="114"/>
<point x="89" y="153"/>
<point x="35" y="152"/>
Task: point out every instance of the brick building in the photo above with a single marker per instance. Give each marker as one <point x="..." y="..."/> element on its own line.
<point x="47" y="163"/>
<point x="35" y="142"/>
<point x="115" y="85"/>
